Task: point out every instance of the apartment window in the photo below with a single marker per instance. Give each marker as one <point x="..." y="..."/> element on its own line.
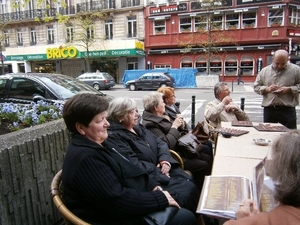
<point x="131" y="26"/>
<point x="201" y="66"/>
<point x="275" y="16"/>
<point x="19" y="38"/>
<point x="70" y="33"/>
<point x="185" y="24"/>
<point x="232" y="21"/>
<point x="294" y="15"/>
<point x="90" y="32"/>
<point x="215" y="66"/>
<point x="247" y="65"/>
<point x="249" y="19"/>
<point x="50" y="35"/>
<point x="109" y="29"/>
<point x="162" y="66"/>
<point x="186" y="63"/>
<point x="6" y="38"/>
<point x="129" y="3"/>
<point x="32" y="36"/>
<point x="216" y="22"/>
<point x="159" y="26"/>
<point x="200" y="23"/>
<point x="231" y="66"/>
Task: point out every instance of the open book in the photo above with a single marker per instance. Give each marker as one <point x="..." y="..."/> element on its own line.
<point x="222" y="195"/>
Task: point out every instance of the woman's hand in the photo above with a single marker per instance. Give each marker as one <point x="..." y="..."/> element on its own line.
<point x="171" y="200"/>
<point x="177" y="122"/>
<point x="248" y="208"/>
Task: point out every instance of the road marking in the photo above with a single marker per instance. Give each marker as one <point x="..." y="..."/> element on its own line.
<point x="187" y="113"/>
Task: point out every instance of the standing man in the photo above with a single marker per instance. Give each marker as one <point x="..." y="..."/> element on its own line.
<point x="279" y="84"/>
<point x="240" y="74"/>
<point x="222" y="108"/>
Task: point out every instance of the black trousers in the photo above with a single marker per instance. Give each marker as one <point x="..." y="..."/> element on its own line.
<point x="281" y="114"/>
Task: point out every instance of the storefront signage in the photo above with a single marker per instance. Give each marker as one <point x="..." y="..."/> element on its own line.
<point x="206" y="4"/>
<point x="169" y="8"/>
<point x="61" y="52"/>
<point x="243" y="2"/>
<point x="117" y="52"/>
<point x="26" y="57"/>
<point x="294" y="33"/>
<point x="139" y="45"/>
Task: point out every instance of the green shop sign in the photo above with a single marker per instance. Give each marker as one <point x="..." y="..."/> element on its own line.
<point x="92" y="54"/>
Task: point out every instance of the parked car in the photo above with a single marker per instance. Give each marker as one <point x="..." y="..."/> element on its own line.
<point x="98" y="80"/>
<point x="28" y="87"/>
<point x="153" y="80"/>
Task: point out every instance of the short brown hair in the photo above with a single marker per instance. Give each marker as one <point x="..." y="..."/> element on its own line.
<point x="166" y="91"/>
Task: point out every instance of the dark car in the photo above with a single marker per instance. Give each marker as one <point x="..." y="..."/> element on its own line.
<point x="98" y="80"/>
<point x="153" y="80"/>
<point x="28" y="87"/>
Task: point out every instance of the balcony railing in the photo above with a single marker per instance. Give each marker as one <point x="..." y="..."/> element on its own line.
<point x="67" y="10"/>
<point x="94" y="6"/>
<point x="130" y="3"/>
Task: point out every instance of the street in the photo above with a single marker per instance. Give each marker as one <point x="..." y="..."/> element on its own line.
<point x="252" y="104"/>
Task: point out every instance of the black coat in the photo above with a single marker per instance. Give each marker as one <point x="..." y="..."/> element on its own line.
<point x="98" y="181"/>
<point x="147" y="151"/>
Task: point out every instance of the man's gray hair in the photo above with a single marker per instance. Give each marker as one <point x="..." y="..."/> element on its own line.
<point x="219" y="88"/>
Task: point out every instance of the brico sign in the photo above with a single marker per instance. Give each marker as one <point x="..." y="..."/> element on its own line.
<point x="61" y="52"/>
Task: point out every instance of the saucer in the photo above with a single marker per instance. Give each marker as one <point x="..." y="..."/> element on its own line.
<point x="261" y="141"/>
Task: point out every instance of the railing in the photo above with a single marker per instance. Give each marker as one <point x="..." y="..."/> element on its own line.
<point x="130" y="3"/>
<point x="94" y="6"/>
<point x="28" y="15"/>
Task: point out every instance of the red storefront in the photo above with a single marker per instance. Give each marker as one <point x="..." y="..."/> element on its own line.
<point x="256" y="29"/>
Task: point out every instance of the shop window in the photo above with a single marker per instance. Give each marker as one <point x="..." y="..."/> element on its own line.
<point x="132" y="63"/>
<point x="275" y="16"/>
<point x="109" y="29"/>
<point x="216" y="22"/>
<point x="201" y="66"/>
<point x="131" y="26"/>
<point x="215" y="66"/>
<point x="247" y="65"/>
<point x="249" y="19"/>
<point x="186" y="63"/>
<point x="185" y="24"/>
<point x="231" y="66"/>
<point x="232" y="21"/>
<point x="159" y="26"/>
<point x="294" y="15"/>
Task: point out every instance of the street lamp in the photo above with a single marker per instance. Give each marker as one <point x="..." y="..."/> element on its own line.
<point x="272" y="52"/>
<point x="149" y="65"/>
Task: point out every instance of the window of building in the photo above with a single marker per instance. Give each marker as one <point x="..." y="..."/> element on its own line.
<point x="159" y="26"/>
<point x="109" y="29"/>
<point x="186" y="63"/>
<point x="231" y="66"/>
<point x="201" y="66"/>
<point x="19" y="38"/>
<point x="232" y="21"/>
<point x="131" y="26"/>
<point x="70" y="33"/>
<point x="275" y="16"/>
<point x="294" y="15"/>
<point x="132" y="63"/>
<point x="6" y="38"/>
<point x="248" y="19"/>
<point x="162" y="66"/>
<point x="215" y="66"/>
<point x="185" y="24"/>
<point x="130" y="3"/>
<point x="90" y="32"/>
<point x="200" y="23"/>
<point x="32" y="36"/>
<point x="50" y="35"/>
<point x="247" y="65"/>
<point x="216" y="22"/>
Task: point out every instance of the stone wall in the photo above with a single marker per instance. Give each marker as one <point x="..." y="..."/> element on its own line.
<point x="29" y="159"/>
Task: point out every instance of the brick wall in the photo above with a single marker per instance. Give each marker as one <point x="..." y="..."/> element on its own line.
<point x="29" y="159"/>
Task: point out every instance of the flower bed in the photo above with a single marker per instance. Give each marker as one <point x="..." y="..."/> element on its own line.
<point x="15" y="116"/>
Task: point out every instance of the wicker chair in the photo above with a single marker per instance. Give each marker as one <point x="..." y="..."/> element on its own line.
<point x="55" y="194"/>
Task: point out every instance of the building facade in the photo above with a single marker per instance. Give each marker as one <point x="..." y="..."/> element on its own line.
<point x="34" y="40"/>
<point x="218" y="36"/>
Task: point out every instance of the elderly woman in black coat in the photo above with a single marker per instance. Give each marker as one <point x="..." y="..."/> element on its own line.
<point x="100" y="184"/>
<point x="149" y="152"/>
<point x="160" y="124"/>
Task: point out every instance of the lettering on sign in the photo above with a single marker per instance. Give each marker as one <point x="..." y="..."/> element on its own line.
<point x="61" y="53"/>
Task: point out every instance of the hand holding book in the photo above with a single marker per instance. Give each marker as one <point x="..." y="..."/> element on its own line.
<point x="248" y="208"/>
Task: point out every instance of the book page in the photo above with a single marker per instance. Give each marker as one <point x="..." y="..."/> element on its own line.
<point x="223" y="195"/>
<point x="267" y="201"/>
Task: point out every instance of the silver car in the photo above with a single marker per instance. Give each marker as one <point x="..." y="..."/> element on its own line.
<point x="98" y="80"/>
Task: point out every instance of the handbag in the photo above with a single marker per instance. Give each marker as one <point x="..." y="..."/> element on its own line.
<point x="189" y="145"/>
<point x="161" y="217"/>
<point x="201" y="132"/>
